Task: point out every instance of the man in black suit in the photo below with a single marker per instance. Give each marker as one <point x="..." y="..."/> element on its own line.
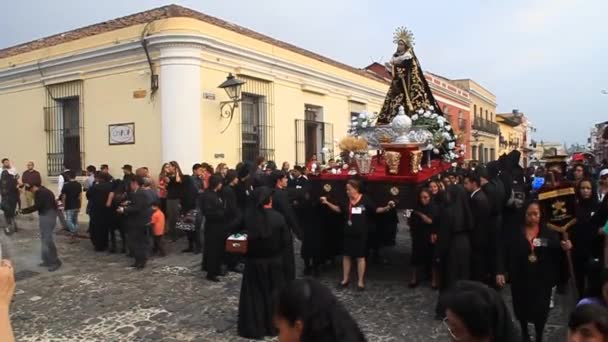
<point x="280" y="203"/>
<point x="138" y="213"/>
<point x="480" y="236"/>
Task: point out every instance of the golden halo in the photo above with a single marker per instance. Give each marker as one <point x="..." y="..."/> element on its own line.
<point x="402" y="33"/>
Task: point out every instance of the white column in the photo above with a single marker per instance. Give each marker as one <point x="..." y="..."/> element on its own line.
<point x="180" y="98"/>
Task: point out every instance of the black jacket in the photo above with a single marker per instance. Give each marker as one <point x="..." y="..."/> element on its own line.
<point x="233" y="213"/>
<point x="280" y="202"/>
<point x="480" y="208"/>
<point x="138" y="212"/>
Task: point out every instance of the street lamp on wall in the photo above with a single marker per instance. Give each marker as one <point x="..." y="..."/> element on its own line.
<point x="232" y="86"/>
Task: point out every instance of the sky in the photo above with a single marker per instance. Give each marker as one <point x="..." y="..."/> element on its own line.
<point x="547" y="58"/>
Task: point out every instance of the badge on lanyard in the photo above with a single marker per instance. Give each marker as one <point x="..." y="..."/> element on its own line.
<point x="356" y="211"/>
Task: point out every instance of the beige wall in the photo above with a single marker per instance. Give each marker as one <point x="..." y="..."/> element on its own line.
<point x="109" y="100"/>
<point x="23" y="136"/>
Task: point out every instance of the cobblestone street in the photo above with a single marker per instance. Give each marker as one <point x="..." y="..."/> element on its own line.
<point x="96" y="297"/>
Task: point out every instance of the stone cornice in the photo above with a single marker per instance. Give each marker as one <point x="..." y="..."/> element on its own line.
<point x="87" y="58"/>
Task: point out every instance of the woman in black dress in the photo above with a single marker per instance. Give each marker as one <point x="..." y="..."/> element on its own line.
<point x="584" y="234"/>
<point x="435" y="187"/>
<point x="215" y="228"/>
<point x="359" y="215"/>
<point x="534" y="265"/>
<point x="267" y="237"/>
<point x="422" y="226"/>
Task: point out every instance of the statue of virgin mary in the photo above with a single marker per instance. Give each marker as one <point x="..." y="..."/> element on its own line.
<point x="408" y="88"/>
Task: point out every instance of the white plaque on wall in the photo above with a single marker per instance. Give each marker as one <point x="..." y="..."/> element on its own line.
<point x="121" y="134"/>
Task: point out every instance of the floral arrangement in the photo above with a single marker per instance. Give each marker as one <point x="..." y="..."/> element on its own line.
<point x="443" y="138"/>
<point x="361" y="122"/>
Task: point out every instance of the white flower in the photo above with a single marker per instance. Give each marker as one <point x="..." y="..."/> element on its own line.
<point x="434" y="116"/>
<point x="407" y="56"/>
<point x="364" y="124"/>
<point x="451" y="145"/>
<point x="440" y="119"/>
<point x="436" y="151"/>
<point x="362" y="115"/>
<point x="325" y="150"/>
<point x="446" y="135"/>
<point x="427" y="114"/>
<point x="429" y="147"/>
<point x="431" y="108"/>
<point x="454" y="164"/>
<point x="420" y="111"/>
<point x="448" y="127"/>
<point x="440" y="123"/>
<point x="414" y="117"/>
<point x="351" y="154"/>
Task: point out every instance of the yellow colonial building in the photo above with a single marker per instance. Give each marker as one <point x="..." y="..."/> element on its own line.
<point x="513" y="131"/>
<point x="143" y="89"/>
<point x="484" y="129"/>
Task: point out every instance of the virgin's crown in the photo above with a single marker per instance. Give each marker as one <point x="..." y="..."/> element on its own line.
<point x="402" y="33"/>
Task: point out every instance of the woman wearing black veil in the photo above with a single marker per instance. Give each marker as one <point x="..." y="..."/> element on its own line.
<point x="268" y="237"/>
<point x="453" y="248"/>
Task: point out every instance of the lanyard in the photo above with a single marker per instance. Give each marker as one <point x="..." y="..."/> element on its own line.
<point x="350" y="207"/>
<point x="531" y="241"/>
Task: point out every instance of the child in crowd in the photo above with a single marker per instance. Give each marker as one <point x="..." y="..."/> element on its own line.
<point x="158" y="229"/>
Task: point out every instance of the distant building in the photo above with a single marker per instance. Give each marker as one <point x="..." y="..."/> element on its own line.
<point x="484" y="130"/>
<point x="598" y="141"/>
<point x="513" y="134"/>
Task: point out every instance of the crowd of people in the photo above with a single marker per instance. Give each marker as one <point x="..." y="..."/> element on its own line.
<point x="472" y="230"/>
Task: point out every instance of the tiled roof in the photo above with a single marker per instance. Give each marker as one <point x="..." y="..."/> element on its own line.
<point x="170" y="11"/>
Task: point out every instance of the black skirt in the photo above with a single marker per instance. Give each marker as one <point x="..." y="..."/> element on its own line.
<point x="261" y="278"/>
<point x="355" y="246"/>
<point x="422" y="248"/>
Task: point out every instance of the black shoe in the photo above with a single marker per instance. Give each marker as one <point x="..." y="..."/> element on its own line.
<point x="140" y="267"/>
<point x="43" y="264"/>
<point x="123" y="251"/>
<point x="197" y="251"/>
<point x="187" y="250"/>
<point x="214" y="279"/>
<point x="55" y="267"/>
<point x="360" y="288"/>
<point x="112" y="250"/>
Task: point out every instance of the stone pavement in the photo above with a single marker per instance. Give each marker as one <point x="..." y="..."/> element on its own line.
<point x="96" y="297"/>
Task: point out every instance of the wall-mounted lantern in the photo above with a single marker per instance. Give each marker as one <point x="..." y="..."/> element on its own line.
<point x="232" y="86"/>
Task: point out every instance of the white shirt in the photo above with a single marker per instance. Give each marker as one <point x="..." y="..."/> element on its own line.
<point x="474" y="192"/>
<point x="60" y="182"/>
<point x="13" y="172"/>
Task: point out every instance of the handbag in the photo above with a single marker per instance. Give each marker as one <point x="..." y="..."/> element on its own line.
<point x="237" y="244"/>
<point x="186" y="221"/>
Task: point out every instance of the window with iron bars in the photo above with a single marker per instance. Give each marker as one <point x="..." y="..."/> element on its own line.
<point x="64" y="127"/>
<point x="257" y="119"/>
